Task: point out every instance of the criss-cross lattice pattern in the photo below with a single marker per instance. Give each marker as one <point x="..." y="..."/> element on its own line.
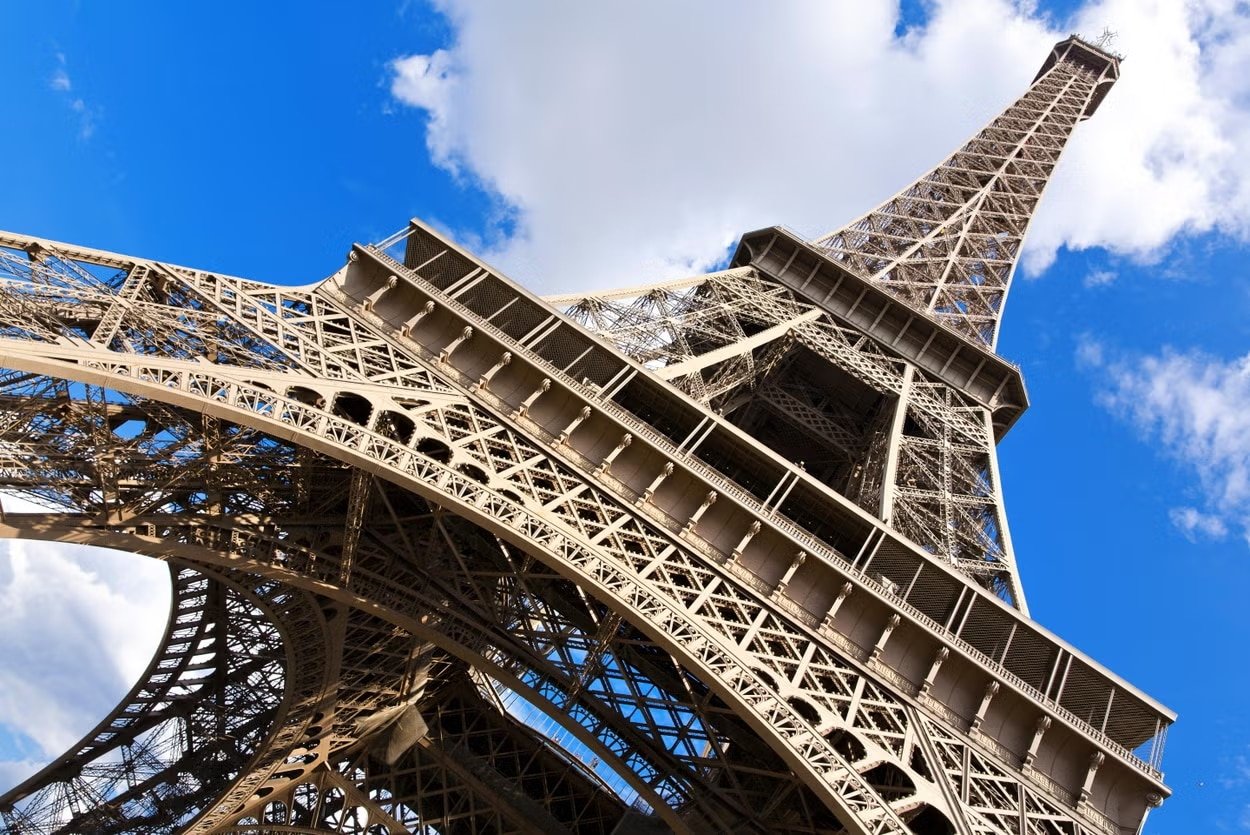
<point x="947" y="244"/>
<point x="944" y="495"/>
<point x="651" y="729"/>
<point x="194" y="723"/>
<point x="162" y="473"/>
<point x="734" y="565"/>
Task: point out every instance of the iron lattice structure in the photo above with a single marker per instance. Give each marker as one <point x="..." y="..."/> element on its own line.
<point x="724" y="554"/>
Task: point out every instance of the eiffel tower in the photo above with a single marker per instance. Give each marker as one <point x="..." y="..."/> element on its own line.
<point x="721" y="554"/>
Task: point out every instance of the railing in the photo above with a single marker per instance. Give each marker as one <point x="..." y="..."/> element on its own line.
<point x="814" y="546"/>
<point x="826" y="253"/>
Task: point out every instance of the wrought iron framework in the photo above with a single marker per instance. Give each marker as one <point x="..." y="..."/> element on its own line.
<point x="724" y="554"/>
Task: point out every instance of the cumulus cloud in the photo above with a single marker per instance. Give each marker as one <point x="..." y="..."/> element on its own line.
<point x="428" y="82"/>
<point x="79" y="625"/>
<point x="1161" y="156"/>
<point x="1198" y="408"/>
<point x="630" y="142"/>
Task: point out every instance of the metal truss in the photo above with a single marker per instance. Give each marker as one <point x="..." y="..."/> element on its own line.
<point x="734" y="564"/>
<point x="199" y="715"/>
<point x="948" y="243"/>
<point x="667" y="737"/>
<point x="942" y="490"/>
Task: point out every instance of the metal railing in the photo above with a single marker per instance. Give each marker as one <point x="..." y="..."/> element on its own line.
<point x="815" y="547"/>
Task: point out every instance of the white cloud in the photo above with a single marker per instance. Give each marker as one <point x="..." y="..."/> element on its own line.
<point x="1233" y="779"/>
<point x="79" y="625"/>
<point x="63" y="84"/>
<point x="60" y="78"/>
<point x="1099" y="278"/>
<point x="1197" y="407"/>
<point x="427" y="81"/>
<point x="13" y="772"/>
<point x="1161" y="155"/>
<point x="1198" y="525"/>
<point x="633" y="141"/>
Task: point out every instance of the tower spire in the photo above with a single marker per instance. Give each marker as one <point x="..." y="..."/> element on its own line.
<point x="947" y="244"/>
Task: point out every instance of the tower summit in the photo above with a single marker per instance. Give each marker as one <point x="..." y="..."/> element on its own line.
<point x="947" y="244"/>
<point x="721" y="554"/>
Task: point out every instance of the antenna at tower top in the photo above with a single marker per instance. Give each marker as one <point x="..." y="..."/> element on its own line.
<point x="1106" y="38"/>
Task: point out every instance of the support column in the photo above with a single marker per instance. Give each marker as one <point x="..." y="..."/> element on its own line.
<point x="896" y="442"/>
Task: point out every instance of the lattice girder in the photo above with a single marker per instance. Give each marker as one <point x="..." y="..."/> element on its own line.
<point x="947" y="244"/>
<point x="978" y="546"/>
<point x="508" y="461"/>
<point x="326" y="567"/>
<point x="459" y="423"/>
<point x="444" y="499"/>
<point x="243" y="663"/>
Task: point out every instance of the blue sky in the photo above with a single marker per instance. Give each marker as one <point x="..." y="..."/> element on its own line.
<point x="606" y="147"/>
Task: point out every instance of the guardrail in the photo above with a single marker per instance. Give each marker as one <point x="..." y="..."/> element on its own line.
<point x="815" y="547"/>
